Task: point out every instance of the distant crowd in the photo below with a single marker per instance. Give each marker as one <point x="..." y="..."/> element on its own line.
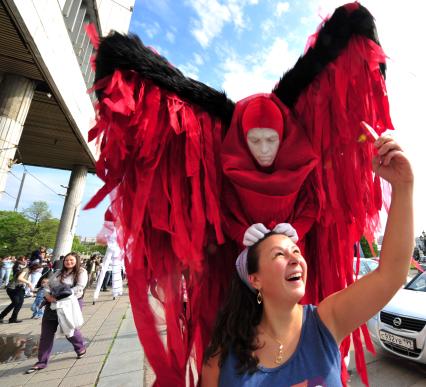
<point x="41" y="265"/>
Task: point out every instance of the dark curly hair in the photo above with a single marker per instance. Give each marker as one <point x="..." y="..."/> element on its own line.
<point x="235" y="327"/>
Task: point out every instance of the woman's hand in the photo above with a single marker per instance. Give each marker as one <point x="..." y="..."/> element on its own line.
<point x="391" y="163"/>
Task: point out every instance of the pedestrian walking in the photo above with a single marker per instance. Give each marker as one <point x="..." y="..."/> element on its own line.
<point x="91" y="269"/>
<point x="16" y="290"/>
<point x="74" y="276"/>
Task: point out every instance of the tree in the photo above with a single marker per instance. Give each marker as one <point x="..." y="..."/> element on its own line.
<point x="14" y="228"/>
<point x="47" y="232"/>
<point x="77" y="246"/>
<point x="21" y="233"/>
<point x="39" y="214"/>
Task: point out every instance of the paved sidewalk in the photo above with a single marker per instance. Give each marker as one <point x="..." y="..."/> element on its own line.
<point x="126" y="365"/>
<point x="19" y="343"/>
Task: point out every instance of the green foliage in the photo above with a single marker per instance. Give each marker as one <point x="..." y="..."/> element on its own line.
<point x="366" y="248"/>
<point x="14" y="228"/>
<point x="376" y="249"/>
<point x="86" y="248"/>
<point x="38" y="212"/>
<point x="47" y="233"/>
<point x="43" y="228"/>
<point x="22" y="233"/>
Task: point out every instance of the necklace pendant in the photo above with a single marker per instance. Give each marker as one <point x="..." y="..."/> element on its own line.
<point x="279" y="358"/>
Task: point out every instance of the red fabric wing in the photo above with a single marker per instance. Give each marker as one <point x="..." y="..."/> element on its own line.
<point x="350" y="90"/>
<point x="159" y="163"/>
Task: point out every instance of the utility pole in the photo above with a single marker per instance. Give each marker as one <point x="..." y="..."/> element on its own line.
<point x="20" y="191"/>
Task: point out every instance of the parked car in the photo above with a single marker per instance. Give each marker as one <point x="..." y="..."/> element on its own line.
<point x="365" y="266"/>
<point x="400" y="327"/>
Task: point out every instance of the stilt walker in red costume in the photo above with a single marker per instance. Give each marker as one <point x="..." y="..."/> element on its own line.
<point x="187" y="175"/>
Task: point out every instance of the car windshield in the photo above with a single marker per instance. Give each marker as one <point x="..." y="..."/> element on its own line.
<point x="372" y="265"/>
<point x="365" y="266"/>
<point x="418" y="284"/>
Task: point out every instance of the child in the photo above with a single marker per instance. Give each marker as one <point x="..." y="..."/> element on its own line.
<point x="38" y="304"/>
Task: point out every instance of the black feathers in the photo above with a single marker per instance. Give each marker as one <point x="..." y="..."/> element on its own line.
<point x="332" y="39"/>
<point x="129" y="53"/>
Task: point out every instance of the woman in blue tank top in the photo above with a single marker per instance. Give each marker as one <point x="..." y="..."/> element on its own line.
<point x="264" y="337"/>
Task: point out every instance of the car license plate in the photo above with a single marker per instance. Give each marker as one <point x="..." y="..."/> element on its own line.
<point x="398" y="340"/>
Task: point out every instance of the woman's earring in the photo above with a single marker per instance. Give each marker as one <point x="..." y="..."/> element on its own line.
<point x="259" y="297"/>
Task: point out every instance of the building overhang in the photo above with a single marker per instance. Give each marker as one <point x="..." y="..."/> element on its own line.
<point x="36" y="45"/>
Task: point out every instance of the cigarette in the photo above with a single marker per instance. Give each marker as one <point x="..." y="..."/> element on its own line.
<point x="370" y="130"/>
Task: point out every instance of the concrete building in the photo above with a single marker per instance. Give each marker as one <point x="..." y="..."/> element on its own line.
<point x="45" y="72"/>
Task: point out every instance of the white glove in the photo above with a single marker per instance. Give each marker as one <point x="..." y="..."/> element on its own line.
<point x="286" y="229"/>
<point x="254" y="233"/>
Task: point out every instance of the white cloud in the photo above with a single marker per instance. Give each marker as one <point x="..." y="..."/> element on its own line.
<point x="267" y="27"/>
<point x="170" y="36"/>
<point x="256" y="73"/>
<point x="163" y="9"/>
<point x="198" y="59"/>
<point x="213" y="15"/>
<point x="149" y="29"/>
<point x="281" y="8"/>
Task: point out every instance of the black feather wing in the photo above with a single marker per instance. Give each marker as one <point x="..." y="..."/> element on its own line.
<point x="127" y="52"/>
<point x="332" y="39"/>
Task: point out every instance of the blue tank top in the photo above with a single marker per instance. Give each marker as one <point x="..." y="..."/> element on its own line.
<point x="316" y="361"/>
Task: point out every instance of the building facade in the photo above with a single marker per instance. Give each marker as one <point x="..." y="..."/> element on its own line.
<point x="45" y="74"/>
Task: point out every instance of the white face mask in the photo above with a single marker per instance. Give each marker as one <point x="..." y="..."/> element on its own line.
<point x="263" y="144"/>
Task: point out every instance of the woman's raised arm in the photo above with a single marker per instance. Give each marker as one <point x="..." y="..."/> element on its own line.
<point x="344" y="311"/>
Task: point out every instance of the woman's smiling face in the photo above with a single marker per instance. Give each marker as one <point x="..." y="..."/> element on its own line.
<point x="282" y="270"/>
<point x="70" y="261"/>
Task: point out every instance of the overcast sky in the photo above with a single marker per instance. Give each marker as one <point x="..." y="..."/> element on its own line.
<point x="243" y="47"/>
